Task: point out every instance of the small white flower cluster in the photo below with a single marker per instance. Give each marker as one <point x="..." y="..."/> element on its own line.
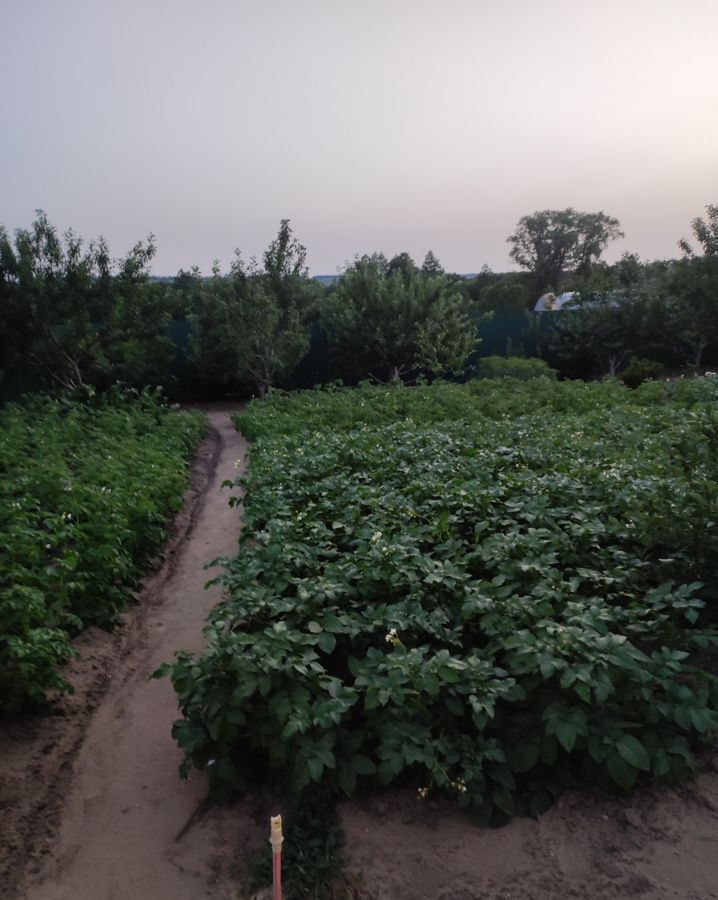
<point x="392" y="637"/>
<point x="376" y="537"/>
<point x="423" y="792"/>
<point x="460" y="785"/>
<point x="238" y="463"/>
<point x="67" y="516"/>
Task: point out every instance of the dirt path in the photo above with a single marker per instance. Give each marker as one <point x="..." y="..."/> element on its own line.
<point x="124" y="806"/>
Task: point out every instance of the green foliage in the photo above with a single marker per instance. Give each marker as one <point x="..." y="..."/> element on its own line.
<point x="335" y="408"/>
<point x="252" y="326"/>
<point x="601" y="328"/>
<point x="75" y="316"/>
<point x="85" y="491"/>
<point x="504" y="294"/>
<point x="388" y="318"/>
<point x="705" y="231"/>
<point x="693" y="301"/>
<point x="639" y="370"/>
<point x="666" y="309"/>
<point x="550" y="242"/>
<point x="513" y="367"/>
<point x="495" y="594"/>
<point x="312" y="853"/>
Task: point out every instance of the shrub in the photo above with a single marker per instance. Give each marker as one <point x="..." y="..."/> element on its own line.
<point x="514" y="367"/>
<point x="639" y="370"/>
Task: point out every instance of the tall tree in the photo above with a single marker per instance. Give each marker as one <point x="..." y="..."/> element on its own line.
<point x="431" y="264"/>
<point x="705" y="231"/>
<point x="383" y="323"/>
<point x="75" y="315"/>
<point x="253" y="324"/>
<point x="550" y="242"/>
<point x="694" y="297"/>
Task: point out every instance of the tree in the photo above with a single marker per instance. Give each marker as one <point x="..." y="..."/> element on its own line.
<point x="550" y="242"/>
<point x="383" y="323"/>
<point x="602" y="330"/>
<point x="253" y="324"/>
<point x="402" y="264"/>
<point x="504" y="295"/>
<point x="705" y="232"/>
<point x="431" y="264"/>
<point x="694" y="289"/>
<point x="75" y="315"/>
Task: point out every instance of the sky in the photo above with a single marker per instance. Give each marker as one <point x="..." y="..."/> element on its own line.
<point x="371" y="124"/>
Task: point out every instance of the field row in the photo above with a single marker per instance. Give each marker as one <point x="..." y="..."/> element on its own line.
<point x="85" y="493"/>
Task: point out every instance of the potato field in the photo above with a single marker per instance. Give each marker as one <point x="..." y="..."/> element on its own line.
<point x="86" y="489"/>
<point x="493" y="590"/>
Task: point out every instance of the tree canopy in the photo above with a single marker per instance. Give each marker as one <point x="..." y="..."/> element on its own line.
<point x="387" y="318"/>
<point x="252" y="325"/>
<point x="551" y="242"/>
<point x="74" y="315"/>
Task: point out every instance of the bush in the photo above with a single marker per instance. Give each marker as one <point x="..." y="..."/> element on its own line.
<point x="495" y="607"/>
<point x="85" y="492"/>
<point x="514" y="367"/>
<point x="639" y="370"/>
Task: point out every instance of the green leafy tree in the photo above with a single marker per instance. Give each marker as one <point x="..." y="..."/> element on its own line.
<point x="75" y="315"/>
<point x="214" y="320"/>
<point x="431" y="265"/>
<point x="705" y="231"/>
<point x="386" y="320"/>
<point x="505" y="294"/>
<point x="551" y="242"/>
<point x="252" y="326"/>
<point x="693" y="305"/>
<point x="599" y="329"/>
<point x="402" y="264"/>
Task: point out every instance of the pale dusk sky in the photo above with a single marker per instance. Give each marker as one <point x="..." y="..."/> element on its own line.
<point x="394" y="125"/>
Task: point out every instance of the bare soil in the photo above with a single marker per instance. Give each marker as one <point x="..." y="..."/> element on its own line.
<point x="93" y="809"/>
<point x="658" y="844"/>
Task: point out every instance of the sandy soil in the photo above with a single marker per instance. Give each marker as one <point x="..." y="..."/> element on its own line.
<point x="656" y="844"/>
<point x="92" y="808"/>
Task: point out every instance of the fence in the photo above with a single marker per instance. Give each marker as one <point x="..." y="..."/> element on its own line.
<point x="503" y="334"/>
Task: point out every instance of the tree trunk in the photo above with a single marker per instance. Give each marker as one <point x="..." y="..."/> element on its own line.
<point x="614" y="362"/>
<point x="699" y="355"/>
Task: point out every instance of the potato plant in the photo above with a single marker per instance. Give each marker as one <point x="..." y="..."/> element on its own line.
<point x="85" y="493"/>
<point x="497" y="603"/>
<point x="339" y="408"/>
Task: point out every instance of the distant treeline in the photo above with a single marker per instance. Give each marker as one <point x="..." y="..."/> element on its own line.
<point x="71" y="314"/>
